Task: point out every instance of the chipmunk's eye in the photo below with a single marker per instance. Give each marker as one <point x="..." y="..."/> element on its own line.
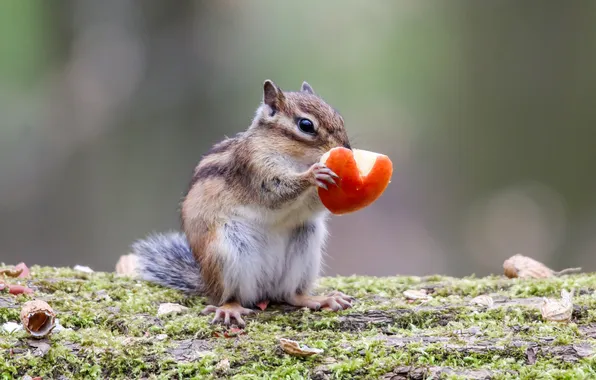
<point x="306" y="126"/>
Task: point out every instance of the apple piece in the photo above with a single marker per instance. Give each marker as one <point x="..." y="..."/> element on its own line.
<point x="363" y="177"/>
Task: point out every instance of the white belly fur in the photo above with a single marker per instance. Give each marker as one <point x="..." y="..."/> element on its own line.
<point x="269" y="257"/>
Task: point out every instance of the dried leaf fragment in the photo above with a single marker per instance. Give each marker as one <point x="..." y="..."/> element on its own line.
<point x="519" y="266"/>
<point x="170" y="308"/>
<point x="558" y="310"/>
<point x="38" y="318"/>
<point x="414" y="295"/>
<point x="295" y="349"/>
<point x="483" y="300"/>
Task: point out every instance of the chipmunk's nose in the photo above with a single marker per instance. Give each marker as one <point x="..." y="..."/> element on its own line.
<point x="347" y="145"/>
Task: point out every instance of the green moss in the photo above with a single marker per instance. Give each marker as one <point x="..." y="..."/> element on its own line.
<point x="8" y="314"/>
<point x="113" y="330"/>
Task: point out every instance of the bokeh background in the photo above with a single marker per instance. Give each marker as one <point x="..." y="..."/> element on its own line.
<point x="487" y="110"/>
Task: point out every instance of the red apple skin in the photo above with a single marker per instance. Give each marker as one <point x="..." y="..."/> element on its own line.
<point x="354" y="191"/>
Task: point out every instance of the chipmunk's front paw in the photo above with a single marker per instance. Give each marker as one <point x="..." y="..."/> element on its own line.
<point x="322" y="175"/>
<point x="334" y="301"/>
<point x="228" y="311"/>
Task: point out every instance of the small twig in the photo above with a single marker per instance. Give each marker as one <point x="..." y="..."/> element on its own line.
<point x="567" y="271"/>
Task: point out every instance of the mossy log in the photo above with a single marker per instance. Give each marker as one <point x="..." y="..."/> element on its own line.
<point x="109" y="328"/>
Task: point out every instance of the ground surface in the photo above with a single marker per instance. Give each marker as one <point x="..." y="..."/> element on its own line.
<point x="112" y="331"/>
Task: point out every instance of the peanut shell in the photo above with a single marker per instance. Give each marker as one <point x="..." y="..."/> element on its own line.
<point x="293" y="348"/>
<point x="558" y="310"/>
<point x="38" y="318"/>
<point x="483" y="300"/>
<point x="519" y="266"/>
<point x="127" y="265"/>
<point x="417" y="295"/>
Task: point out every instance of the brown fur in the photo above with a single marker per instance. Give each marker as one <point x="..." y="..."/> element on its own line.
<point x="202" y="237"/>
<point x="267" y="165"/>
<point x="292" y="105"/>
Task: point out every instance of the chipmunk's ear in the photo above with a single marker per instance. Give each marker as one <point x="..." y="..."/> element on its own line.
<point x="272" y="95"/>
<point x="307" y="88"/>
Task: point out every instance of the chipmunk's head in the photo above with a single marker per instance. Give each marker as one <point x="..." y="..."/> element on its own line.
<point x="304" y="125"/>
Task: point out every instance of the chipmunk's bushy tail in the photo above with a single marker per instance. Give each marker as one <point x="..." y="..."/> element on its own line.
<point x="167" y="260"/>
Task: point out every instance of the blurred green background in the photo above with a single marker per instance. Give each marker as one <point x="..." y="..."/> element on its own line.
<point x="487" y="110"/>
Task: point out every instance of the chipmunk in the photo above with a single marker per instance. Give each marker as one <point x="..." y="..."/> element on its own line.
<point x="254" y="226"/>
